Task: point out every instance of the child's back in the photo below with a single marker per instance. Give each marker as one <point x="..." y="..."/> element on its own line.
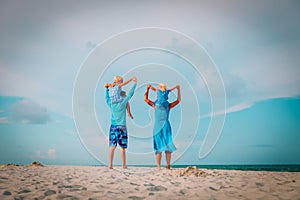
<point x="115" y="90"/>
<point x="162" y="98"/>
<point x="115" y="94"/>
<point x="163" y="94"/>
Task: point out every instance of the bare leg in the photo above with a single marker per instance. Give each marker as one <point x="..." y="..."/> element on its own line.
<point x="128" y="110"/>
<point x="123" y="157"/>
<point x="111" y="156"/>
<point x="168" y="159"/>
<point x="158" y="160"/>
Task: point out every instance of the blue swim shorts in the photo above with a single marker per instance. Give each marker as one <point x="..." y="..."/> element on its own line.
<point x="118" y="135"/>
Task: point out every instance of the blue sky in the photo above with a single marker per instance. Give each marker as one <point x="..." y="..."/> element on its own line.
<point x="255" y="46"/>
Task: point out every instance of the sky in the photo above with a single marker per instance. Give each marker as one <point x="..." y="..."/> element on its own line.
<point x="237" y="63"/>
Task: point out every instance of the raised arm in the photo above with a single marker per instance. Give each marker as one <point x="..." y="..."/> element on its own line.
<point x="149" y="102"/>
<point x="106" y="86"/>
<point x="131" y="91"/>
<point x="173" y="88"/>
<point x="174" y="103"/>
<point x="128" y="81"/>
<point x="152" y="88"/>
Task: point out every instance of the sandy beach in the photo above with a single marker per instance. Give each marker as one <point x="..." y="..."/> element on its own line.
<point x="96" y="182"/>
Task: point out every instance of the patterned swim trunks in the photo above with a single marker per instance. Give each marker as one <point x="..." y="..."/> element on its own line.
<point x="118" y="135"/>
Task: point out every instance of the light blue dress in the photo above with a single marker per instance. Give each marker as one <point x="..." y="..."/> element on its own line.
<point x="162" y="132"/>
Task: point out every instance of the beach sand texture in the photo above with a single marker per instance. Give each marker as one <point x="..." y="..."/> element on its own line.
<point x="95" y="182"/>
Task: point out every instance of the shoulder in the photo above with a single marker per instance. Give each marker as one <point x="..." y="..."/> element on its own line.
<point x="116" y="86"/>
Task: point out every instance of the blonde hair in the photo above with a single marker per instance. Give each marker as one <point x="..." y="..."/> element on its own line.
<point x="117" y="79"/>
<point x="163" y="86"/>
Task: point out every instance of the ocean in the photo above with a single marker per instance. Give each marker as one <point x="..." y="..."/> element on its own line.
<point x="275" y="168"/>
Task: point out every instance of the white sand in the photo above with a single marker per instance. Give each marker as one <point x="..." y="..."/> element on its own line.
<point x="86" y="182"/>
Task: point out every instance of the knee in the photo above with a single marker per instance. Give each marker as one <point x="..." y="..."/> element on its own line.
<point x="113" y="148"/>
<point x="122" y="149"/>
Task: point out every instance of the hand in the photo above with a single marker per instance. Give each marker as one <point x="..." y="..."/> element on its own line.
<point x="177" y="86"/>
<point x="134" y="79"/>
<point x="149" y="87"/>
<point x="106" y="85"/>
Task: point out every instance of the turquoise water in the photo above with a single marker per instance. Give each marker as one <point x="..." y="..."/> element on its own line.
<point x="277" y="168"/>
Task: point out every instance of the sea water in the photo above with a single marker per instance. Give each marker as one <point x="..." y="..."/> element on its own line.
<point x="279" y="168"/>
<point x="269" y="167"/>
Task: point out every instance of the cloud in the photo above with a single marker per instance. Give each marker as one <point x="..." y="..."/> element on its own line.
<point x="29" y="112"/>
<point x="235" y="86"/>
<point x="70" y="132"/>
<point x="269" y="72"/>
<point x="232" y="109"/>
<point x="36" y="39"/>
<point x="30" y="83"/>
<point x="16" y="82"/>
<point x="91" y="45"/>
<point x="51" y="154"/>
<point x="3" y="120"/>
<point x="239" y="107"/>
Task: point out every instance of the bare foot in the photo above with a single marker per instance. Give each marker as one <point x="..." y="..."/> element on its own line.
<point x="124" y="167"/>
<point x="168" y="167"/>
<point x="110" y="167"/>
